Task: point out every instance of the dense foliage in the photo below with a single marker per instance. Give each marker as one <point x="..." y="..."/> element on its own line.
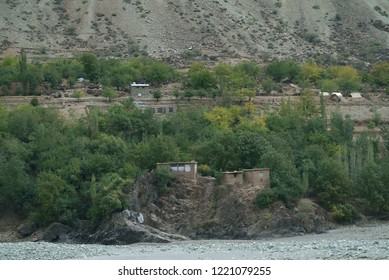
<point x="54" y="170"/>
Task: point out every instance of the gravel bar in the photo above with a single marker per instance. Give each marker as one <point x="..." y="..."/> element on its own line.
<point x="355" y="242"/>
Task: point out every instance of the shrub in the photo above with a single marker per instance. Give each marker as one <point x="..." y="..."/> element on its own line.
<point x="205" y="170"/>
<point x="265" y="198"/>
<point x="34" y="101"/>
<point x="305" y="211"/>
<point x="311" y="37"/>
<point x="163" y="178"/>
<point x="344" y="213"/>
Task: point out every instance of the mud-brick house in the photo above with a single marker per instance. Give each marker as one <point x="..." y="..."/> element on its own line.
<point x="140" y="90"/>
<point x="257" y="177"/>
<point x="188" y="169"/>
<point x="232" y="178"/>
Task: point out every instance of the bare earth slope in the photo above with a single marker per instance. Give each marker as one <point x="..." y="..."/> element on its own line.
<point x="255" y="29"/>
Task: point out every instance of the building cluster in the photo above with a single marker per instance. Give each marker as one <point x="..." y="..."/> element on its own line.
<point x="257" y="177"/>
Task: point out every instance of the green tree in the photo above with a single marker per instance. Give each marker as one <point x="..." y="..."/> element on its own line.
<point x="71" y="70"/>
<point x="23" y="72"/>
<point x="311" y="72"/>
<point x="268" y="85"/>
<point x="8" y="74"/>
<point x="16" y="187"/>
<point x="332" y="185"/>
<point x="161" y="148"/>
<point x="157" y="94"/>
<point x="347" y="77"/>
<point x="52" y="75"/>
<point x="109" y="93"/>
<point x="244" y="93"/>
<point x="372" y="189"/>
<point x="106" y="196"/>
<point x="223" y="73"/>
<point x="34" y="79"/>
<point x="91" y="67"/>
<point x="342" y="129"/>
<point x="23" y="121"/>
<point x="219" y="151"/>
<point x="249" y="68"/>
<point x="158" y="72"/>
<point x="307" y="104"/>
<point x="200" y="77"/>
<point x="3" y="119"/>
<point x="380" y="73"/>
<point x="283" y="70"/>
<point x="77" y="94"/>
<point x="327" y="85"/>
<point x="133" y="125"/>
<point x="56" y="200"/>
<point x="284" y="177"/>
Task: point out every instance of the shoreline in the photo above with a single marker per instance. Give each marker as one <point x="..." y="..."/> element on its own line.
<point x="368" y="241"/>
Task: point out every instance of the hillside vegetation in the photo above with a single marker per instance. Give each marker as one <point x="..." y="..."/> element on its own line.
<point x="225" y="29"/>
<point x="54" y="170"/>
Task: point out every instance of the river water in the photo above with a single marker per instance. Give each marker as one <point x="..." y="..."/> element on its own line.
<point x="355" y="242"/>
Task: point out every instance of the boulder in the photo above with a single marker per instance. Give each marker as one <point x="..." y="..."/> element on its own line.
<point x="26" y="229"/>
<point x="136" y="217"/>
<point x="58" y="232"/>
<point x="120" y="230"/>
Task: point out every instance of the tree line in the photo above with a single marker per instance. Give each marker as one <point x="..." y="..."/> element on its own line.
<point x="243" y="80"/>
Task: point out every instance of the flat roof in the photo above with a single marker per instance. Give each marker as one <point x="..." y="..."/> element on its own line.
<point x="256" y="169"/>
<point x="139" y="85"/>
<point x="233" y="172"/>
<point x="178" y="162"/>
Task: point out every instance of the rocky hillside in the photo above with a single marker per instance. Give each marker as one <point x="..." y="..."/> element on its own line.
<point x="202" y="209"/>
<point x="217" y="29"/>
<point x="192" y="209"/>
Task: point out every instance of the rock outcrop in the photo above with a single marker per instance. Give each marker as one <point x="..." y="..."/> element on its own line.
<point x="192" y="209"/>
<point x="121" y="229"/>
<point x="202" y="209"/>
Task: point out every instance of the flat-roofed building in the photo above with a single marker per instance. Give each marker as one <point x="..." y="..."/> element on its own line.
<point x="182" y="168"/>
<point x="140" y="90"/>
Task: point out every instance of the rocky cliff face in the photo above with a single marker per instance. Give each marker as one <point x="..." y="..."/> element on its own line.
<point x="224" y="29"/>
<point x="202" y="209"/>
<point x="193" y="209"/>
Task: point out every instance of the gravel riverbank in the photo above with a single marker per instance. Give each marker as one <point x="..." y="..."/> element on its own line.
<point x="355" y="242"/>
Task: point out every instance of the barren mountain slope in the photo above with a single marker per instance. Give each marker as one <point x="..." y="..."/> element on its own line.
<point x="255" y="29"/>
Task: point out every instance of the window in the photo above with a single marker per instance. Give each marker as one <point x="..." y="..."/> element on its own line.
<point x="181" y="168"/>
